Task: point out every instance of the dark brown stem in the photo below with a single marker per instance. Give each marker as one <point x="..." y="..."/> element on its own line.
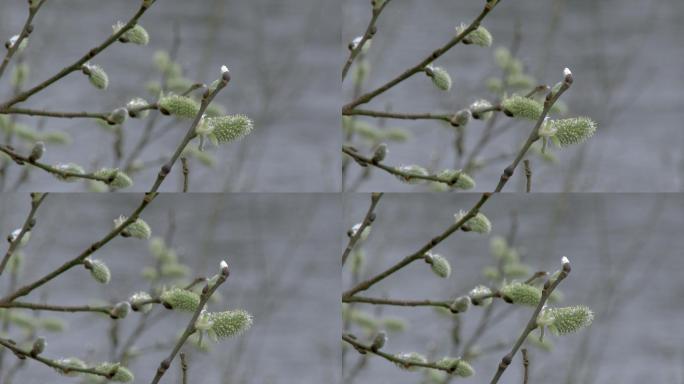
<point x="367" y="220"/>
<point x="25" y="32"/>
<point x="24" y="160"/>
<point x="28" y="225"/>
<point x="526" y="366"/>
<point x="186" y="173"/>
<point x="528" y="175"/>
<point x="370" y="31"/>
<point x="184" y="368"/>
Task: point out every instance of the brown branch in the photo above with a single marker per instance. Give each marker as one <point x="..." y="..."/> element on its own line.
<point x="190" y="329"/>
<point x="57" y="308"/>
<point x="184" y="369"/>
<point x="28" y="225"/>
<point x="186" y="173"/>
<point x="365" y="98"/>
<point x="532" y="323"/>
<point x="24" y="160"/>
<point x="526" y="366"/>
<point x="370" y="31"/>
<point x="367" y="220"/>
<point x="23" y="354"/>
<point x="76" y="66"/>
<point x="528" y="176"/>
<point x="25" y="32"/>
<point x="57" y="114"/>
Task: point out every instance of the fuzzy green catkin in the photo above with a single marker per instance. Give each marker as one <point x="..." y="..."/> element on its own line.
<point x="69" y="168"/>
<point x="410" y="359"/>
<point x="478" y="295"/>
<point x="97" y="76"/>
<point x="225" y="129"/>
<point x="98" y="270"/>
<point x="520" y="106"/>
<point x="180" y="299"/>
<point x="122" y="375"/>
<point x="118" y="179"/>
<point x="570" y="319"/>
<point x="139" y="302"/>
<point x="479" y="36"/>
<point x="463" y="180"/>
<point x="412" y="170"/>
<point x="230" y="323"/>
<point x="134" y="106"/>
<point x="479" y="223"/>
<point x="440" y="265"/>
<point x="575" y="130"/>
<point x="136" y="35"/>
<point x="477" y="106"/>
<point x="179" y="106"/>
<point x="440" y="77"/>
<point x="459" y="367"/>
<point x="138" y="229"/>
<point x="71" y="362"/>
<point x="520" y="293"/>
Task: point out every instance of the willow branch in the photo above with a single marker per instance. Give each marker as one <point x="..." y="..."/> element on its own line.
<point x="367" y="220"/>
<point x="190" y="329"/>
<point x="57" y="114"/>
<point x="25" y="32"/>
<point x="364" y="349"/>
<point x="26" y="227"/>
<point x="57" y="308"/>
<point x="532" y="323"/>
<point x="24" y="160"/>
<point x="79" y="63"/>
<point x="367" y="35"/>
<point x="526" y="366"/>
<point x="365" y="98"/>
<point x="23" y="354"/>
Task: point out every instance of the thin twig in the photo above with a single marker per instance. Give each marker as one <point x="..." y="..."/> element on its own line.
<point x="549" y="286"/>
<point x="526" y="366"/>
<point x="186" y="173"/>
<point x="25" y="32"/>
<point x="57" y="308"/>
<point x="23" y="354"/>
<point x="367" y="220"/>
<point x="28" y="225"/>
<point x="79" y="63"/>
<point x="184" y="369"/>
<point x="528" y="175"/>
<point x="24" y="160"/>
<point x="190" y="329"/>
<point x="370" y="31"/>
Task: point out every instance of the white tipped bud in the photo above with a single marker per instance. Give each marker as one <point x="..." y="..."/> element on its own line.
<point x="37" y="151"/>
<point x="224" y="69"/>
<point x="379" y="341"/>
<point x="564" y="260"/>
<point x="223" y="266"/>
<point x="120" y="310"/>
<point x="567" y="72"/>
<point x="38" y="346"/>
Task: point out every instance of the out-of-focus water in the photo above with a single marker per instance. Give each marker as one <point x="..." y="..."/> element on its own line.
<point x="626" y="57"/>
<point x="278" y="247"/>
<point x="626" y="260"/>
<point x="284" y="66"/>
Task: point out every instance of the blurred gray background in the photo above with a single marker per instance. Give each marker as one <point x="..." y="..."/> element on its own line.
<point x="277" y="246"/>
<point x="625" y="251"/>
<point x="626" y="57"/>
<point x="285" y="77"/>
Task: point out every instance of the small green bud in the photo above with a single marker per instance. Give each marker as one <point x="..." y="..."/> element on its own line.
<point x="97" y="76"/>
<point x="70" y="168"/>
<point x="575" y="130"/>
<point x="122" y="375"/>
<point x="37" y="151"/>
<point x="440" y="77"/>
<point x="461" y="118"/>
<point x="179" y="106"/>
<point x="98" y="270"/>
<point x="138" y="229"/>
<point x="38" y="346"/>
<point x="118" y="116"/>
<point x="71" y="362"/>
<point x="24" y="239"/>
<point x="9" y="44"/>
<point x="225" y="129"/>
<point x="357" y="40"/>
<point x="523" y="294"/>
<point x="117" y="179"/>
<point x="139" y="302"/>
<point x="136" y="35"/>
<point x="478" y="106"/>
<point x="19" y="75"/>
<point x="410" y="359"/>
<point x="180" y="299"/>
<point x="519" y="106"/>
<point x="230" y="323"/>
<point x="120" y="310"/>
<point x="377" y="4"/>
<point x="134" y="106"/>
<point x="379" y="341"/>
<point x="480" y="295"/>
<point x="460" y="304"/>
<point x="380" y="153"/>
<point x="479" y="36"/>
<point x="570" y="319"/>
<point x="462" y="179"/>
<point x="440" y="265"/>
<point x="412" y="170"/>
<point x="479" y="223"/>
<point x="458" y="367"/>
